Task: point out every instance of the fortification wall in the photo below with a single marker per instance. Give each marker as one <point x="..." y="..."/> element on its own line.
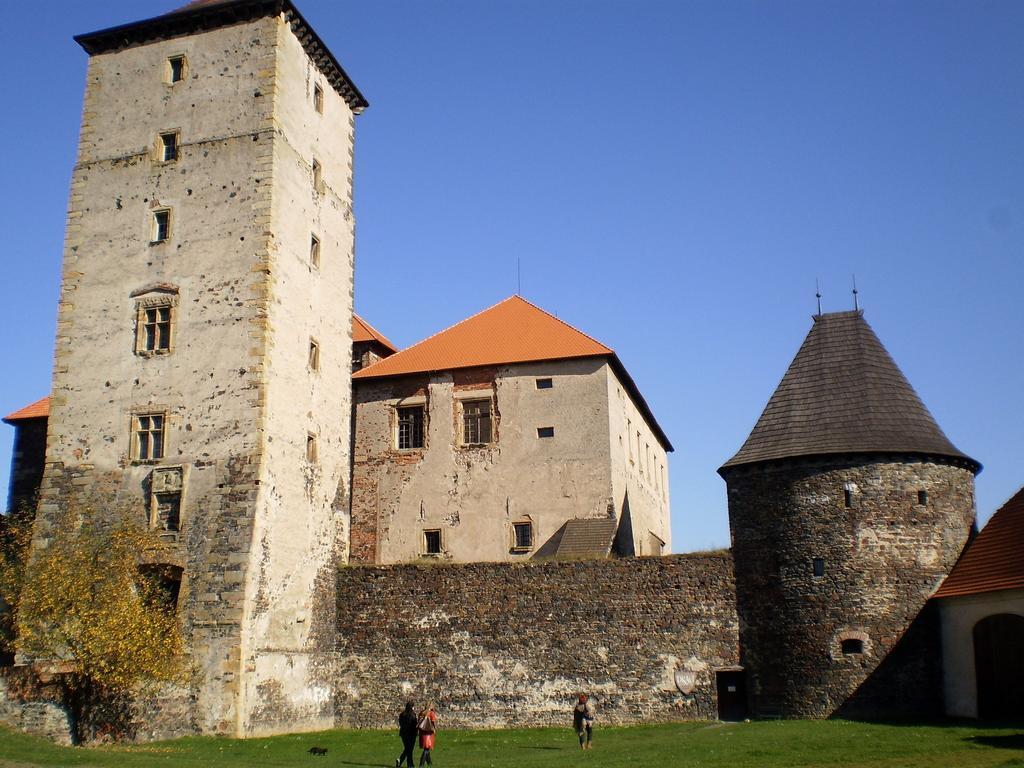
<point x="511" y="644"/>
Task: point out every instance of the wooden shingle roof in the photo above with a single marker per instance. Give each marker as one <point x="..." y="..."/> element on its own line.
<point x="844" y="394"/>
<point x="994" y="561"/>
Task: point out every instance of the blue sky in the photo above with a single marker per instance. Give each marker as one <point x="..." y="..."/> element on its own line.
<point x="673" y="177"/>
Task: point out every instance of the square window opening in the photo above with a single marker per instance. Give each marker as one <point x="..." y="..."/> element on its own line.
<point x="161" y="226"/>
<point x="545" y="383"/>
<point x="545" y="431"/>
<point x="818" y="566"/>
<point x="432" y="542"/>
<point x="410" y="428"/>
<point x="476" y="422"/>
<point x="922" y="498"/>
<point x="311" y="450"/>
<point x="168" y="147"/>
<point x="318" y="99"/>
<point x="522" y="536"/>
<point x="155" y="328"/>
<point x="175" y="69"/>
<point x="852" y="646"/>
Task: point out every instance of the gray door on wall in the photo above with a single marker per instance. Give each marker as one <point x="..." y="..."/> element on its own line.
<point x="999" y="667"/>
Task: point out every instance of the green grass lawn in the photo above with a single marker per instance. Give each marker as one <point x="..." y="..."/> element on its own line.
<point x="739" y="745"/>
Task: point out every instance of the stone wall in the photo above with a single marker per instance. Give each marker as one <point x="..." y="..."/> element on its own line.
<point x="495" y="645"/>
<point x="880" y="559"/>
<point x="29" y="706"/>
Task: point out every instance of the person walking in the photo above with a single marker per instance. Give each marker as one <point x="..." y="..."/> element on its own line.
<point x="407" y="730"/>
<point x="583" y="721"/>
<point x="427" y="724"/>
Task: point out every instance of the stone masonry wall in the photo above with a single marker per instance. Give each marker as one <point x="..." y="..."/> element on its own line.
<point x="511" y="644"/>
<point x="881" y="559"/>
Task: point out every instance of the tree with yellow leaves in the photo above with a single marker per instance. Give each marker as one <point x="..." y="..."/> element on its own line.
<point x="88" y="603"/>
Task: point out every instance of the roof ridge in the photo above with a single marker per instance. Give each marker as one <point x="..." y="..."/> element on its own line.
<point x="558" y="319"/>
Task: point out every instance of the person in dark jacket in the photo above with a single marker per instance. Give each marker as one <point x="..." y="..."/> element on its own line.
<point x="407" y="729"/>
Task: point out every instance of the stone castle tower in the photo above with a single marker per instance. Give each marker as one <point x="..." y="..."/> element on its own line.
<point x="202" y="367"/>
<point x="848" y="506"/>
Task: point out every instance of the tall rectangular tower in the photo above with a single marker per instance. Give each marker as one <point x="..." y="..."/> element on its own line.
<point x="201" y="375"/>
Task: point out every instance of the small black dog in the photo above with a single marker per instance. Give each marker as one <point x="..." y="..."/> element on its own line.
<point x="318" y="750"/>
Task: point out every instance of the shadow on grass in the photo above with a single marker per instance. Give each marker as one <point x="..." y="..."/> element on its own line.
<point x="1009" y="741"/>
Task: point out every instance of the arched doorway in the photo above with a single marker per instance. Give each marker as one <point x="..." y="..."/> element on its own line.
<point x="999" y="666"/>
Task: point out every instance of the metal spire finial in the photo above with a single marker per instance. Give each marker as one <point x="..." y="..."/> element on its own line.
<point x="817" y="293"/>
<point x="856" y="302"/>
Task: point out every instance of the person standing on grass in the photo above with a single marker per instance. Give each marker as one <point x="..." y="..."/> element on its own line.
<point x="407" y="722"/>
<point x="427" y="724"/>
<point x="583" y="721"/>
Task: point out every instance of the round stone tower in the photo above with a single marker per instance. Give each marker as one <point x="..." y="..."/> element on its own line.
<point x="848" y="506"/>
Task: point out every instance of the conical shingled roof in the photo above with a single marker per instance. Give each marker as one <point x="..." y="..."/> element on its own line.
<point x="843" y="393"/>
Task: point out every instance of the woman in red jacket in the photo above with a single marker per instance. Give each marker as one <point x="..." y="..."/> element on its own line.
<point x="427" y="727"/>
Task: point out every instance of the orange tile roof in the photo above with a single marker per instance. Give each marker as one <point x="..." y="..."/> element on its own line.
<point x="995" y="559"/>
<point x="513" y="331"/>
<point x="40" y="409"/>
<point x="363" y="331"/>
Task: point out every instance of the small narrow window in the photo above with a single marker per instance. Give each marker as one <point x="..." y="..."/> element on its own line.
<point x="175" y="69"/>
<point x="167" y="515"/>
<point x="168" y="147"/>
<point x="410" y="428"/>
<point x="847" y="498"/>
<point x="161" y="225"/>
<point x="629" y="438"/>
<point x="155" y="325"/>
<point x="852" y="646"/>
<point x="639" y="455"/>
<point x="314" y="251"/>
<point x="432" y="542"/>
<point x="476" y="422"/>
<point x="318" y="99"/>
<point x="922" y="498"/>
<point x="314" y="355"/>
<point x="819" y="567"/>
<point x="318" y="174"/>
<point x="545" y="383"/>
<point x="522" y="536"/>
<point x="311" y="452"/>
<point x="545" y="431"/>
<point x="149" y="436"/>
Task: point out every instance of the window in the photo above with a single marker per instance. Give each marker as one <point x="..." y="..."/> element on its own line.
<point x="410" y="428"/>
<point x="318" y="98"/>
<point x="318" y="177"/>
<point x="522" y="536"/>
<point x="545" y="383"/>
<point x="629" y="438"/>
<point x="432" y="542"/>
<point x="168" y="147"/>
<point x="819" y="567"/>
<point x="639" y="456"/>
<point x="545" y="431"/>
<point x="149" y="437"/>
<point x="922" y="498"/>
<point x="476" y="422"/>
<point x="847" y="498"/>
<point x="161" y="225"/>
<point x="175" y="69"/>
<point x="154" y="329"/>
<point x="852" y="646"/>
<point x="314" y="251"/>
<point x="311" y="452"/>
<point x="167" y="512"/>
<point x="314" y="355"/>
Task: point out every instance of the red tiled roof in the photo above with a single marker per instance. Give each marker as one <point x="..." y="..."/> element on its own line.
<point x="363" y="331"/>
<point x="995" y="559"/>
<point x="40" y="409"/>
<point x="513" y="331"/>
